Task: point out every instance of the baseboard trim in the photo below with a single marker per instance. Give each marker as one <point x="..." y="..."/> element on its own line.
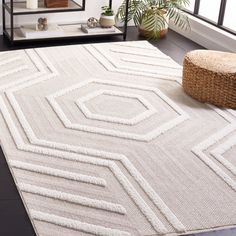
<point x="208" y="36"/>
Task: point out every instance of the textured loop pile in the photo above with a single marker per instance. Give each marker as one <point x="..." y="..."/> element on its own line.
<point x="101" y="140"/>
<point x="210" y="76"/>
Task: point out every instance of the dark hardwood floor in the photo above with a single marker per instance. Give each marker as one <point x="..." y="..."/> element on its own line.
<point x="14" y="220"/>
<point x="174" y="45"/>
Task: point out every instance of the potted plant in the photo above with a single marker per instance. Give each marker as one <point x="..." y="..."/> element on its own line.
<point x="152" y="16"/>
<point x="107" y="19"/>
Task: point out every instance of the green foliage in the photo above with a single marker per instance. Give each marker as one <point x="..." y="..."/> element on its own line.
<point x="107" y="11"/>
<point x="153" y="15"/>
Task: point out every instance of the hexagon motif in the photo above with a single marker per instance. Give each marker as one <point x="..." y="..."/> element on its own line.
<point x="150" y="110"/>
<point x="116" y="133"/>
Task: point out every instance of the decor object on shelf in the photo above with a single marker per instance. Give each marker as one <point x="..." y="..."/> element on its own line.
<point x="152" y="17"/>
<point x="32" y="4"/>
<point x="210" y="76"/>
<point x="97" y="30"/>
<point x="92" y="22"/>
<point x="42" y="24"/>
<point x="31" y="32"/>
<point x="56" y="3"/>
<point x="12" y="33"/>
<point x="107" y="18"/>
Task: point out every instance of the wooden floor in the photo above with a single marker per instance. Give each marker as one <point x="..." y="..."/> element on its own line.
<point x="14" y="220"/>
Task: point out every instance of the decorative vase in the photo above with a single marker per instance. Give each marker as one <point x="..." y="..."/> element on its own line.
<point x="32" y="4"/>
<point x="107" y="21"/>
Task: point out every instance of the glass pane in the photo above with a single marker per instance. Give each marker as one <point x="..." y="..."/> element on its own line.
<point x="230" y="16"/>
<point x="210" y="9"/>
<point x="190" y="7"/>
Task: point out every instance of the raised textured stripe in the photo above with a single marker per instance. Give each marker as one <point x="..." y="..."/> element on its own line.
<point x="153" y="63"/>
<point x="233" y="112"/>
<point x="142" y="45"/>
<point x="219" y="151"/>
<point x="150" y="215"/>
<point x="42" y="72"/>
<point x="12" y="71"/>
<point x="199" y="149"/>
<point x="93" y="152"/>
<point x="12" y="59"/>
<point x="139" y="75"/>
<point x="115" y="133"/>
<point x="69" y="148"/>
<point x="87" y="151"/>
<point x="142" y="54"/>
<point x="129" y="69"/>
<point x="150" y="110"/>
<point x="77" y="199"/>
<point x="58" y="173"/>
<point x="148" y="202"/>
<point x="77" y="225"/>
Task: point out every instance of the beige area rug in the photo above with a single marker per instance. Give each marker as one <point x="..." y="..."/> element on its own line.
<point x="102" y="140"/>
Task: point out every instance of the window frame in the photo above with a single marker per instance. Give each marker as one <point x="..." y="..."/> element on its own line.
<point x="221" y="16"/>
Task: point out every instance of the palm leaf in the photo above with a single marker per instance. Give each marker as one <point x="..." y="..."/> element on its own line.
<point x="150" y="14"/>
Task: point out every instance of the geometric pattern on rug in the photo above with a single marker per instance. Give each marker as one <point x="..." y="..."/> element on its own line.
<point x="155" y="132"/>
<point x="149" y="109"/>
<point x="166" y="69"/>
<point x="75" y="177"/>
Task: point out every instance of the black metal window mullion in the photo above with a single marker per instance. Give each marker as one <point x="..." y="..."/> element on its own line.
<point x="196" y="7"/>
<point x="220" y="20"/>
<point x="222" y="12"/>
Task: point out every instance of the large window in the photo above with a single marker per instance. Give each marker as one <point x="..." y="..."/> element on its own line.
<point x="230" y="15"/>
<point x="221" y="13"/>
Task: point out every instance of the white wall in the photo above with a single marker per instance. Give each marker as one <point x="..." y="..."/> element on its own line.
<point x="208" y="36"/>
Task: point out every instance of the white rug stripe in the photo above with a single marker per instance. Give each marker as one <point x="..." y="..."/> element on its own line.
<point x="156" y="199"/>
<point x="108" y="160"/>
<point x="9" y="60"/>
<point x="151" y="217"/>
<point x="76" y="199"/>
<point x="34" y="57"/>
<point x="138" y="69"/>
<point x="103" y="61"/>
<point x="58" y="173"/>
<point x="5" y="52"/>
<point x="13" y="71"/>
<point x="116" y="120"/>
<point x="233" y="112"/>
<point x="131" y="121"/>
<point x="153" y="63"/>
<point x="220" y="150"/>
<point x="70" y="156"/>
<point x="142" y="54"/>
<point x="109" y="132"/>
<point x="42" y="72"/>
<point x="138" y="44"/>
<point x="77" y="225"/>
<point x="169" y="215"/>
<point x="46" y="61"/>
<point x="201" y="147"/>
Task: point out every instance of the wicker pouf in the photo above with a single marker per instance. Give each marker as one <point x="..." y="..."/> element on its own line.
<point x="210" y="76"/>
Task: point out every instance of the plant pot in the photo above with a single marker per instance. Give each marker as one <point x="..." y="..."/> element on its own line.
<point x="107" y="21"/>
<point x="145" y="33"/>
<point x="161" y="33"/>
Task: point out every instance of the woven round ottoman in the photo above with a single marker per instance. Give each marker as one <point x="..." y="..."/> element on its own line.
<point x="210" y="76"/>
